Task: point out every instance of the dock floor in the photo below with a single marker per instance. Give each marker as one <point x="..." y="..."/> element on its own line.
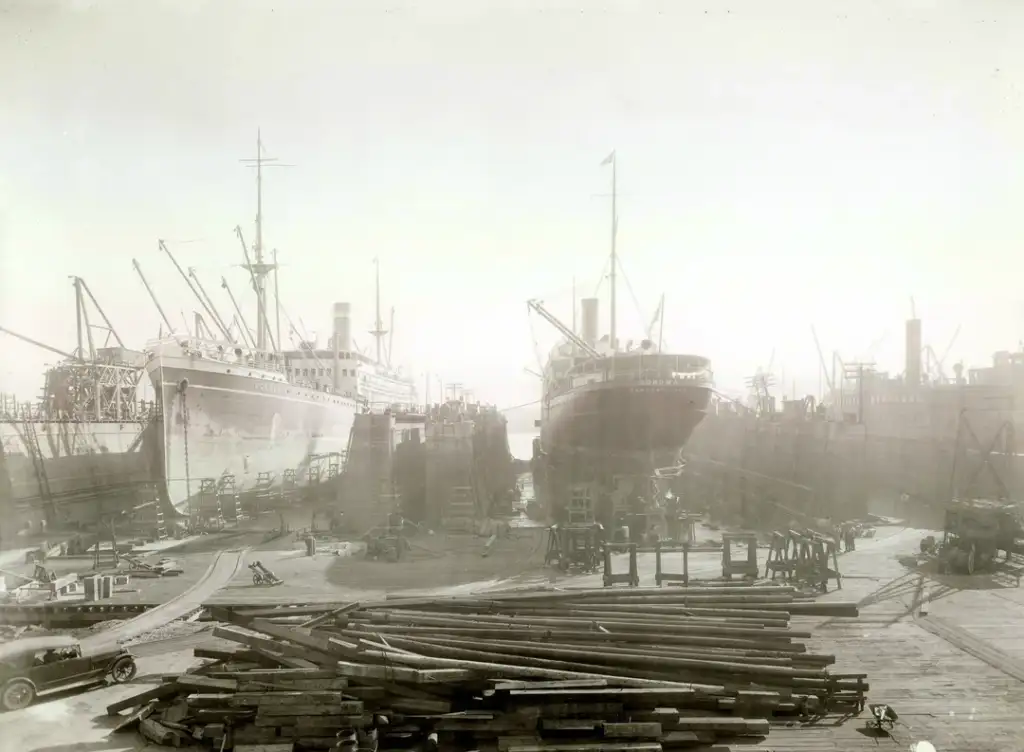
<point x="945" y="652"/>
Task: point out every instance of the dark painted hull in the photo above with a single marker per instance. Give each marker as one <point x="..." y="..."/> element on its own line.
<point x="231" y="422"/>
<point x="624" y="416"/>
<point x="86" y="468"/>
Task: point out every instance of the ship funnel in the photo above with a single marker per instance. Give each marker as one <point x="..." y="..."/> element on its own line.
<point x="588" y="332"/>
<point x="341" y="341"/>
<point x="912" y="374"/>
<point x="343" y="327"/>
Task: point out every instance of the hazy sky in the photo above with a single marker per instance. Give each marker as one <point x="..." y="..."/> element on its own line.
<point x="781" y="164"/>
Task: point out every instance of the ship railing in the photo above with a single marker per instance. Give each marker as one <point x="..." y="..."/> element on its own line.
<point x="697" y="376"/>
<point x="135" y="411"/>
<point x="220" y="351"/>
<point x="317" y="386"/>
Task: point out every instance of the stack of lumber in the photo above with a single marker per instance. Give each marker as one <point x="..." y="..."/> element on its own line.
<point x="637" y="670"/>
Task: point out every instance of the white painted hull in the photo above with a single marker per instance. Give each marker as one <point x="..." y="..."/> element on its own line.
<point x="226" y="420"/>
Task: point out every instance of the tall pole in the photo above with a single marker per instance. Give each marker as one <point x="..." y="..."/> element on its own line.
<point x="259" y="269"/>
<point x="615" y="261"/>
<point x="377" y="297"/>
<point x="379" y="330"/>
<point x="277" y="303"/>
<point x="574" y="330"/>
<point x="78" y="314"/>
<point x="261" y="320"/>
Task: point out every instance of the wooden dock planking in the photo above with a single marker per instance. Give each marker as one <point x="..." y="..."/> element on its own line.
<point x="986" y="614"/>
<point x="943" y="694"/>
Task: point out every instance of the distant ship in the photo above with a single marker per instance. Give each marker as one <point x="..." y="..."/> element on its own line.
<point x="82" y="450"/>
<point x="241" y="411"/>
<point x="598" y="396"/>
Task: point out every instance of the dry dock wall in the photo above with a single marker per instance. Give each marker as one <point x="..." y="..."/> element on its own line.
<point x="765" y="474"/>
<point x="758" y="470"/>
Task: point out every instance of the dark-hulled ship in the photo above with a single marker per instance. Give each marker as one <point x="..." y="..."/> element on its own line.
<point x="603" y="398"/>
<point x="638" y="400"/>
<point x="85" y="449"/>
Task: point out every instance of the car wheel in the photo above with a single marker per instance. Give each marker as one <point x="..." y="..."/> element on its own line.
<point x="17" y="694"/>
<point x="123" y="670"/>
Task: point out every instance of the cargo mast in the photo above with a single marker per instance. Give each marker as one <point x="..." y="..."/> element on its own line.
<point x="260" y="269"/>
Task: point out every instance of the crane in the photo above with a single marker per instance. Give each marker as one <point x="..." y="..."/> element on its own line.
<point x="836" y="407"/>
<point x="938" y="362"/>
<point x="536" y="305"/>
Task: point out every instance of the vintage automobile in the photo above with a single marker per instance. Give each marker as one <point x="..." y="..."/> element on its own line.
<point x="35" y="665"/>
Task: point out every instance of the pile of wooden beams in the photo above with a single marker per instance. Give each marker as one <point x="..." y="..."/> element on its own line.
<point x="637" y="670"/>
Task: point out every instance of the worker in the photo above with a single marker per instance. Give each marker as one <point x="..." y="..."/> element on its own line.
<point x="851" y="537"/>
<point x="671" y="509"/>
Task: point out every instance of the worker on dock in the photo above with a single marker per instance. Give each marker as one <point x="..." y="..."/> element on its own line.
<point x="851" y="536"/>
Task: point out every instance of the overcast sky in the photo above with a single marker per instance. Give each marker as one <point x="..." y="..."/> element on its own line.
<point x="781" y="164"/>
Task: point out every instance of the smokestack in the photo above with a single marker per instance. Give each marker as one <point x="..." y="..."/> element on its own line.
<point x="913" y="355"/>
<point x="588" y="331"/>
<point x="342" y="338"/>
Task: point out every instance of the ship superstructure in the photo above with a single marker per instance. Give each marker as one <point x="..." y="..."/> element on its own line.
<point x="240" y="410"/>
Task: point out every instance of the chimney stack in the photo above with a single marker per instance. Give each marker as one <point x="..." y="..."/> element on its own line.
<point x="912" y="374"/>
<point x="341" y="340"/>
<point x="588" y="330"/>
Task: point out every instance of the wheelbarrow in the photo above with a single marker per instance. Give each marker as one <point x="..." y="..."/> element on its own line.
<point x="263" y="576"/>
<point x="883" y="717"/>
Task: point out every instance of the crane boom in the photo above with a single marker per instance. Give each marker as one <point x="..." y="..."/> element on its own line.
<point x="242" y="326"/>
<point x="152" y="296"/>
<point x="110" y="327"/>
<point x="184" y="276"/>
<point x="37" y="343"/>
<point x="218" y="320"/>
<point x="537" y="306"/>
<point x="821" y="360"/>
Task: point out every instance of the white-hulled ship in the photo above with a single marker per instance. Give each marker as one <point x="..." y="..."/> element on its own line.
<point x="240" y="407"/>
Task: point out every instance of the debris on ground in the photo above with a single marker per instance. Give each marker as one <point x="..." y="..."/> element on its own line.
<point x="637" y="669"/>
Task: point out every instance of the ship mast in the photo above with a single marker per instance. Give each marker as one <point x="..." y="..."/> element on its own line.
<point x="260" y="269"/>
<point x="610" y="159"/>
<point x="379" y="331"/>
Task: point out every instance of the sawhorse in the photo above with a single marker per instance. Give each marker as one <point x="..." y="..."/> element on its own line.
<point x="745" y="568"/>
<point x="780" y="560"/>
<point x="631" y="578"/>
<point x="812" y="564"/>
<point x="660" y="575"/>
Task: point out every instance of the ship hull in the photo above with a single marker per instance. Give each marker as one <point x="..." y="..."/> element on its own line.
<point x="87" y="469"/>
<point x="223" y="421"/>
<point x="623" y="417"/>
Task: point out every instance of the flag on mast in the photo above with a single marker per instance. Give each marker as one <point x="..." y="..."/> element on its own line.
<point x="609" y="159"/>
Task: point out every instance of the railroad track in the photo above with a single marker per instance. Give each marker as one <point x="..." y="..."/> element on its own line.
<point x="220" y="572"/>
<point x="63" y="615"/>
